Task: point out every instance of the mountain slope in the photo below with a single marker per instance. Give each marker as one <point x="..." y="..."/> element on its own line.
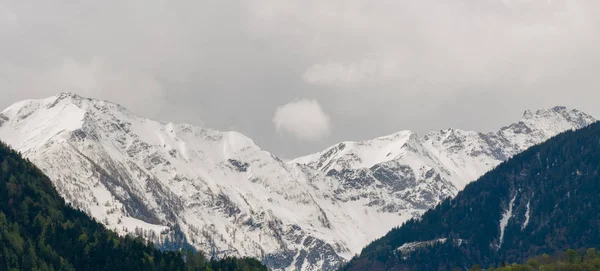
<point x="176" y="183"/>
<point x="39" y="232"/>
<point x="408" y="173"/>
<point x="458" y="156"/>
<point x="216" y="190"/>
<point x="540" y="201"/>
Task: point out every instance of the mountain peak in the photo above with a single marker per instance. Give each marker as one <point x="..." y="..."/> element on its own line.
<point x="557" y="116"/>
<point x="463" y="155"/>
<point x="559" y="109"/>
<point x="64" y="95"/>
<point x="532" y="198"/>
<point x="395" y="136"/>
<point x="131" y="172"/>
<point x="69" y="97"/>
<point x="554" y="109"/>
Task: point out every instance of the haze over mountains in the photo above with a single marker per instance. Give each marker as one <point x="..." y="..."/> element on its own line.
<point x="224" y="195"/>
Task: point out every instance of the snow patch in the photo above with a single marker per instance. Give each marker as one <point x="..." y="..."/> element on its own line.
<point x="412" y="246"/>
<point x="505" y="218"/>
<point x="527" y="214"/>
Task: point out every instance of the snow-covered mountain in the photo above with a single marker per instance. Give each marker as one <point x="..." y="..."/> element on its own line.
<point x="221" y="193"/>
<point x="458" y="156"/>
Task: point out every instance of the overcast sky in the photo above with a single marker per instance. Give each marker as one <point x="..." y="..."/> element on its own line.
<point x="297" y="76"/>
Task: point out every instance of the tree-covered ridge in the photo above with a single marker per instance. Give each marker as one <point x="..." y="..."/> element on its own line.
<point x="571" y="260"/>
<point x="542" y="200"/>
<point x="38" y="231"/>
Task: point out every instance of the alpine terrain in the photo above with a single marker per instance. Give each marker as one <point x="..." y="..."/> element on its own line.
<point x="177" y="184"/>
<point x="38" y="231"/>
<point x="543" y="200"/>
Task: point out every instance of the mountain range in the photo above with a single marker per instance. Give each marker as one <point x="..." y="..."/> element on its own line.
<point x="178" y="184"/>
<point x="541" y="201"/>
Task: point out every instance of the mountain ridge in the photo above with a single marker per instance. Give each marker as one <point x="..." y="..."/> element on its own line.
<point x="225" y="195"/>
<point x="540" y="201"/>
<point x="542" y="124"/>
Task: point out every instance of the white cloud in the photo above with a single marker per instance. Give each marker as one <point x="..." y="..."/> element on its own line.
<point x="303" y="119"/>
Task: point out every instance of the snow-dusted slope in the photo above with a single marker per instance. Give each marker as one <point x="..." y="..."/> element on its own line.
<point x="458" y="156"/>
<point x="224" y="195"/>
<point x="222" y="192"/>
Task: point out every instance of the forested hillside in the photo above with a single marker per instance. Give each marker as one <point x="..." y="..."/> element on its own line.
<point x="570" y="260"/>
<point x="39" y="232"/>
<point x="541" y="201"/>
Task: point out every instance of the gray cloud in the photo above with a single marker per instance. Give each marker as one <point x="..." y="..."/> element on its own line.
<point x="374" y="66"/>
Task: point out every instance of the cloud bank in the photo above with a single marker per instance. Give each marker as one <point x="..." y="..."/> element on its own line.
<point x="375" y="67"/>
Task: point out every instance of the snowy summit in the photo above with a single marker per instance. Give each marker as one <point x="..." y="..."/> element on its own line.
<point x="224" y="195"/>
